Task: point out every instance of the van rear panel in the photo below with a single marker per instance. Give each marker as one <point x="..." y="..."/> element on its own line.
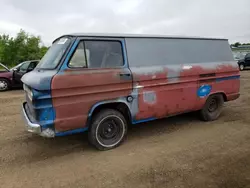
<point x="173" y="76"/>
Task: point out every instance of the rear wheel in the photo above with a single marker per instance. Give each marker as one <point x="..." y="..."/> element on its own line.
<point x="108" y="129"/>
<point x="213" y="107"/>
<point x="4" y="84"/>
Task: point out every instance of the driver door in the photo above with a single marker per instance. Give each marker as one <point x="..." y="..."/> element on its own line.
<point x="20" y="72"/>
<point x="247" y="60"/>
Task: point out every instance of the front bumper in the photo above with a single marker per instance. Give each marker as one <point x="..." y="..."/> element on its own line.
<point x="31" y="127"/>
<point x="35" y="127"/>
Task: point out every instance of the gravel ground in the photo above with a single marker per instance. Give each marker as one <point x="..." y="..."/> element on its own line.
<point x="175" y="152"/>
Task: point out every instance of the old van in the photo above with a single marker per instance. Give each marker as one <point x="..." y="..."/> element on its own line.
<point x="101" y="83"/>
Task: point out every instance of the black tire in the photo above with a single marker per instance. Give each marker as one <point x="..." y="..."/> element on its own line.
<point x="4" y="84"/>
<point x="212" y="108"/>
<point x="108" y="129"/>
<point x="241" y="67"/>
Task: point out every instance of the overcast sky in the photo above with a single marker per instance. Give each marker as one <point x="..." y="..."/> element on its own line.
<point x="51" y="18"/>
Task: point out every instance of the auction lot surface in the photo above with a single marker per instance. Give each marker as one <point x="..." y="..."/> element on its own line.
<point x="175" y="152"/>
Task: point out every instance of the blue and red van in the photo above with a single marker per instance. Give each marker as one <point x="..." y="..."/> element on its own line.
<point x="101" y="83"/>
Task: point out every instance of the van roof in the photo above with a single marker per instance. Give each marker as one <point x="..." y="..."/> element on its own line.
<point x="124" y="35"/>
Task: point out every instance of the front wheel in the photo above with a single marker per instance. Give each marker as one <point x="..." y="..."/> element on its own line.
<point x="242" y="67"/>
<point x="212" y="108"/>
<point x="108" y="129"/>
<point x="4" y="84"/>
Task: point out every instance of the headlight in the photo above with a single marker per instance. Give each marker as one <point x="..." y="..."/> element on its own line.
<point x="24" y="87"/>
<point x="30" y="95"/>
<point x="28" y="92"/>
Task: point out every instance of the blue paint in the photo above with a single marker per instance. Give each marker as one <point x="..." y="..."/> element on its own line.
<point x="47" y="124"/>
<point x="43" y="108"/>
<point x="119" y="100"/>
<point x="95" y="106"/>
<point x="143" y="120"/>
<point x="124" y="53"/>
<point x="227" y="78"/>
<point x="75" y="131"/>
<point x="46" y="114"/>
<point x="204" y="91"/>
<point x="44" y="94"/>
<point x="39" y="80"/>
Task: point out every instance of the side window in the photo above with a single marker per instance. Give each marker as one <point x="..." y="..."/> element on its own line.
<point x="99" y="54"/>
<point x="24" y="67"/>
<point x="32" y="66"/>
<point x="78" y="59"/>
<point x="248" y="56"/>
<point x="104" y="54"/>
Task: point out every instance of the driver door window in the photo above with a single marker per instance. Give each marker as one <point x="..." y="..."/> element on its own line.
<point x="24" y="67"/>
<point x="97" y="54"/>
<point x="31" y="67"/>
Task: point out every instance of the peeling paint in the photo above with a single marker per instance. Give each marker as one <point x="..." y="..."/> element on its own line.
<point x="149" y="97"/>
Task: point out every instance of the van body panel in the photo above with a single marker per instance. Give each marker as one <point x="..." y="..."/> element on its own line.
<point x="160" y="77"/>
<point x="76" y="90"/>
<point x="168" y="74"/>
<point x="162" y="91"/>
<point x="168" y="90"/>
<point x="146" y="52"/>
<point x="39" y="79"/>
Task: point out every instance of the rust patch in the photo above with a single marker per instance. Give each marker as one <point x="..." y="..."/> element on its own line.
<point x="76" y="92"/>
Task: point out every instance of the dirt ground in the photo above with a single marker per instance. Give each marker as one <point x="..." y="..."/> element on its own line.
<point x="176" y="152"/>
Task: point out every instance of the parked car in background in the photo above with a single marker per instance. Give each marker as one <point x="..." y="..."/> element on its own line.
<point x="244" y="62"/>
<point x="11" y="78"/>
<point x="239" y="55"/>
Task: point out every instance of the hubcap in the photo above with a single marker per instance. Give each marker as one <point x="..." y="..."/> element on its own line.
<point x="3" y="85"/>
<point x="213" y="105"/>
<point x="110" y="131"/>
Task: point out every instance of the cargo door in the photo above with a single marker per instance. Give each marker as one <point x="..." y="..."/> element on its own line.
<point x="96" y="72"/>
<point x="164" y="91"/>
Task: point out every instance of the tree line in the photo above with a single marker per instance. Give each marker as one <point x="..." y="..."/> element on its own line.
<point x="22" y="47"/>
<point x="237" y="44"/>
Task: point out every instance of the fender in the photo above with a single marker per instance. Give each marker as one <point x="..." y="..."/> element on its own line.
<point x="98" y="104"/>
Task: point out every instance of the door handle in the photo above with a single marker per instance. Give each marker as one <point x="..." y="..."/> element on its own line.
<point x="125" y="74"/>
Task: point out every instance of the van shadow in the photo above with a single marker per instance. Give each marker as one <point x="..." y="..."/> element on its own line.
<point x="43" y="148"/>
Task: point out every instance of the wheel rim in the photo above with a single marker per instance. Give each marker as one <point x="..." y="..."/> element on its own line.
<point x="110" y="131"/>
<point x="3" y="85"/>
<point x="213" y="105"/>
<point x="241" y="67"/>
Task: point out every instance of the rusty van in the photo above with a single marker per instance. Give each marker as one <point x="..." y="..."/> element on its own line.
<point x="101" y="83"/>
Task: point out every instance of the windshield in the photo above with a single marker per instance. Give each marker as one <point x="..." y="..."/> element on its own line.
<point x="51" y="59"/>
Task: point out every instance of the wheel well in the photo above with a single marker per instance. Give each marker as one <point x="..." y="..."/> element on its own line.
<point x="223" y="94"/>
<point x="8" y="80"/>
<point x="119" y="106"/>
<point x="5" y="79"/>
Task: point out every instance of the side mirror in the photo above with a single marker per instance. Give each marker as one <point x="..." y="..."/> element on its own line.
<point x="28" y="70"/>
<point x="15" y="70"/>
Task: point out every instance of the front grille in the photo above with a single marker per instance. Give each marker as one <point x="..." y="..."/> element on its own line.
<point x="29" y="113"/>
<point x="30" y="108"/>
